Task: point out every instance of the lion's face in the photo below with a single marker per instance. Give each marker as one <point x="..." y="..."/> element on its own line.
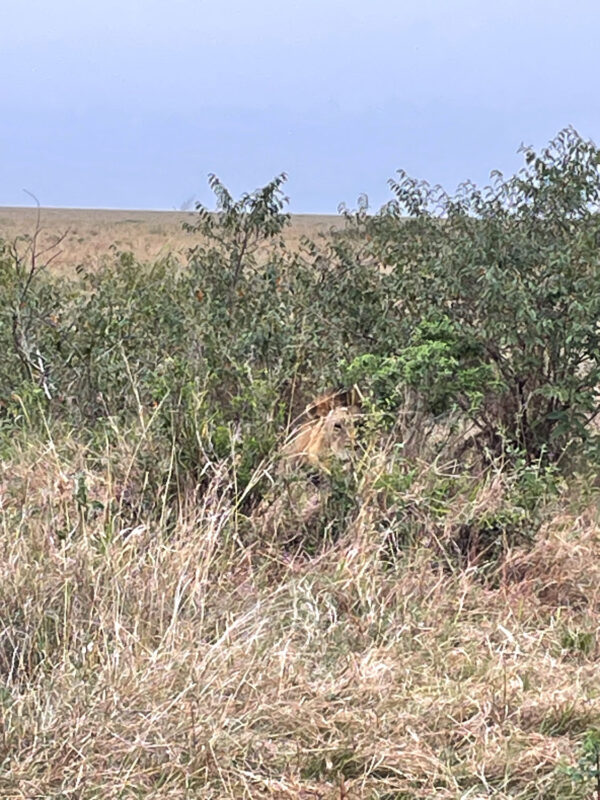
<point x="329" y="434"/>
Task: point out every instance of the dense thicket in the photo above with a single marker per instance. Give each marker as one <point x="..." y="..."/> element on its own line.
<point x="473" y="314"/>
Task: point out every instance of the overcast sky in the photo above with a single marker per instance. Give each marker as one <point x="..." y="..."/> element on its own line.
<point x="131" y="103"/>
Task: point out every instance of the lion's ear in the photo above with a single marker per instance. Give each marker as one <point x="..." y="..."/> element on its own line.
<point x="325" y="403"/>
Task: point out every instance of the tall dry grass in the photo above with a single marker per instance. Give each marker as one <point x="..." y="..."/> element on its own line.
<point x="174" y="659"/>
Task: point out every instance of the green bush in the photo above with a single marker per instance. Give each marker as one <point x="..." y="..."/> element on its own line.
<point x="511" y="276"/>
<point x="438" y="360"/>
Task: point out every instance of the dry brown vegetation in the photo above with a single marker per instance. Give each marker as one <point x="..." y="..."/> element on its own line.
<point x="168" y="661"/>
<point x="90" y="236"/>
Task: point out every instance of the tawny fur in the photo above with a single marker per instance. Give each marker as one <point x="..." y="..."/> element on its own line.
<point x="317" y="440"/>
<point x="328" y="434"/>
<point x="329" y="431"/>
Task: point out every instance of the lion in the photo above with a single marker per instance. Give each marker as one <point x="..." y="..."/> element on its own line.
<point x="304" y="471"/>
<point x="327" y="433"/>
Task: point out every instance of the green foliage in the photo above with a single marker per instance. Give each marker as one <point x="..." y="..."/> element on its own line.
<point x="446" y="367"/>
<point x="588" y="766"/>
<point x="513" y="272"/>
<point x="578" y="641"/>
<point x="30" y="307"/>
<point x="238" y="227"/>
<point x="469" y="518"/>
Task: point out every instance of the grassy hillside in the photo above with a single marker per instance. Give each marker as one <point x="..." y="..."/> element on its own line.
<point x="309" y="517"/>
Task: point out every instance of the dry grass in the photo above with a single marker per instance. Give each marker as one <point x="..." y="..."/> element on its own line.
<point x="171" y="661"/>
<point x="149" y="235"/>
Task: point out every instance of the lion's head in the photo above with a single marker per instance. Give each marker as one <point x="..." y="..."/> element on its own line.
<point x="328" y="431"/>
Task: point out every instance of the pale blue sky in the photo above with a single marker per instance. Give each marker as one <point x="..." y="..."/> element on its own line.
<point x="131" y="103"/>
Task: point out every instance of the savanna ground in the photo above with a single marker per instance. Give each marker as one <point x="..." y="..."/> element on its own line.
<point x="91" y="237"/>
<point x="408" y="606"/>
